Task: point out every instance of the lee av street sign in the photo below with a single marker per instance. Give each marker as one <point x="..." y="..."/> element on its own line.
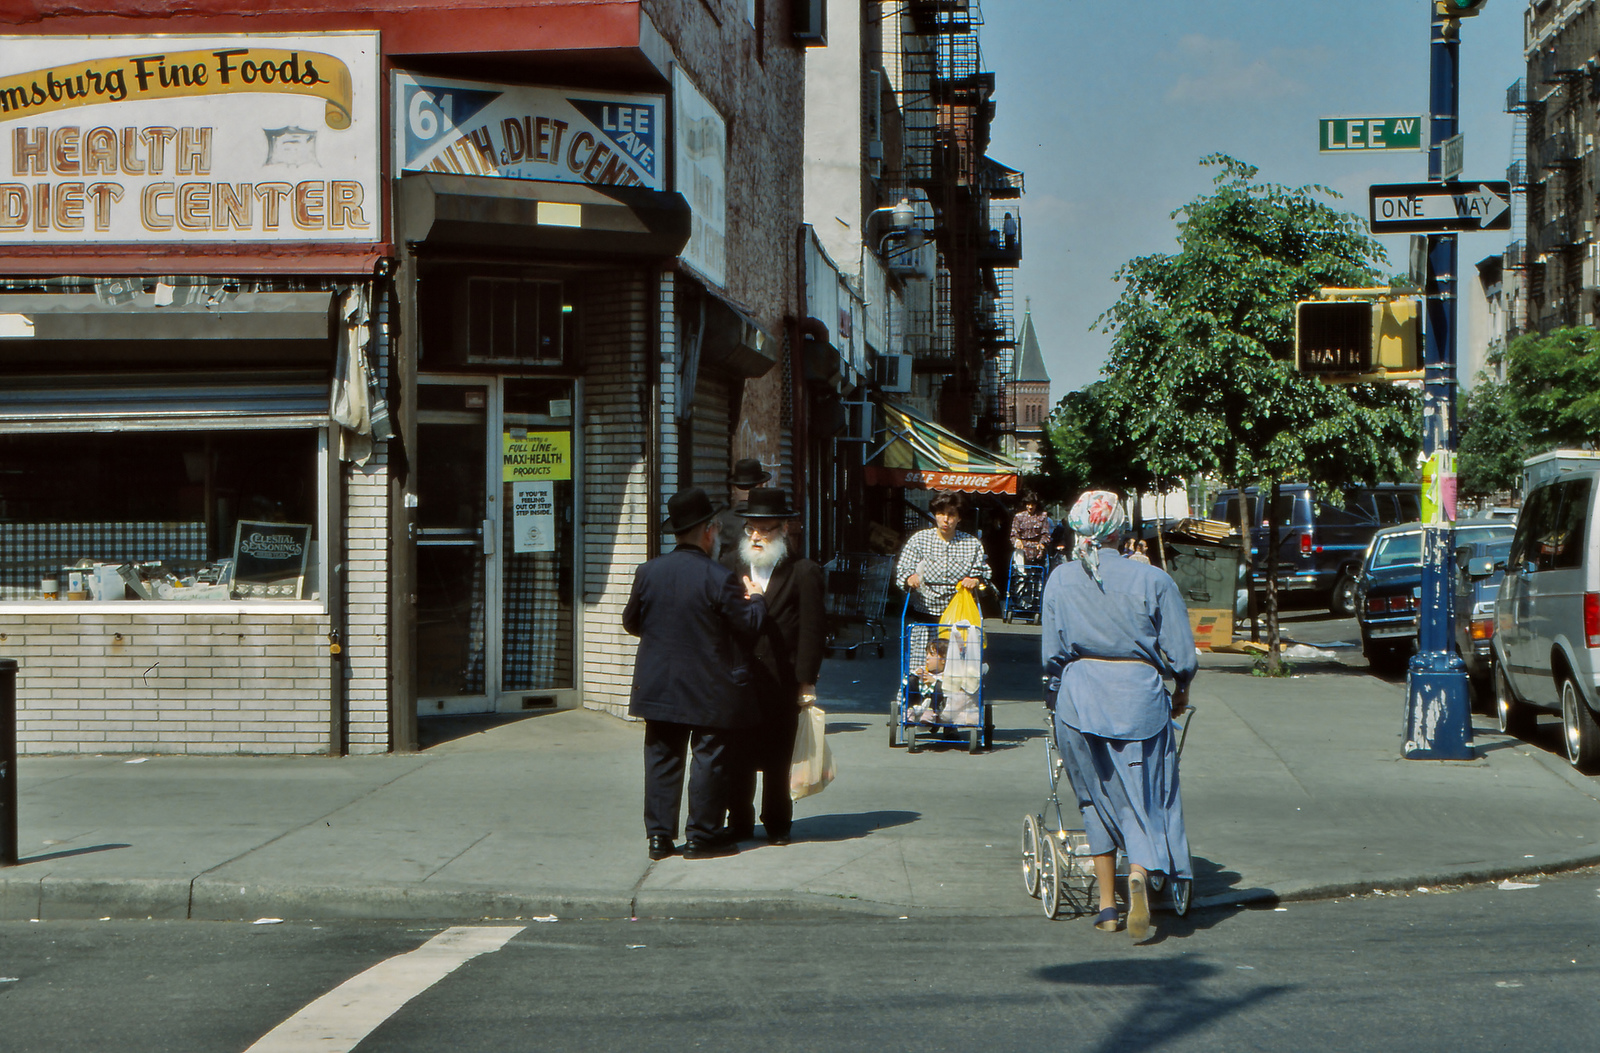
<point x="1338" y="134"/>
<point x="1440" y="208"/>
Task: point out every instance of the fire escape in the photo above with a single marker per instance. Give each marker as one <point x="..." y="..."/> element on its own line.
<point x="1525" y="109"/>
<point x="1555" y="189"/>
<point x="945" y="100"/>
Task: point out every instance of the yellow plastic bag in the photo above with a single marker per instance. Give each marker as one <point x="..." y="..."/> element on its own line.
<point x="962" y="610"/>
<point x="812" y="767"/>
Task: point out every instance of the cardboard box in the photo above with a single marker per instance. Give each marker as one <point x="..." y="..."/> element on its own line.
<point x="1211" y="627"/>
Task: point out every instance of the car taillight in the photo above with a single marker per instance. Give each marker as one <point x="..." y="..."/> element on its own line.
<point x="1377" y="604"/>
<point x="1591" y="618"/>
<point x="1481" y="629"/>
<point x="1305" y="544"/>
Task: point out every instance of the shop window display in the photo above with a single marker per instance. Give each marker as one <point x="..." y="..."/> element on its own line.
<point x="160" y="516"/>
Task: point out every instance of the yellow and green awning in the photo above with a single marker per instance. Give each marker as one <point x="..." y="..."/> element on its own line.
<point x="920" y="454"/>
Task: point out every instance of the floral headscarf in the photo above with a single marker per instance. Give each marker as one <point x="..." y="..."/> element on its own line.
<point x="1095" y="517"/>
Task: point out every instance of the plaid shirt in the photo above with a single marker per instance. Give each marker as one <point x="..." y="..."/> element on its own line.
<point x="942" y="565"/>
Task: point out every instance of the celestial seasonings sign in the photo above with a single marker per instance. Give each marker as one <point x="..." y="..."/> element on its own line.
<point x="269" y="559"/>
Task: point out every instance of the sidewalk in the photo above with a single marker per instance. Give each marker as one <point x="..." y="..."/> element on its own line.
<point x="1292" y="789"/>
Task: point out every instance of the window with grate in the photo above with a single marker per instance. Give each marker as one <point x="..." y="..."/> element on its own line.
<point x="514" y="319"/>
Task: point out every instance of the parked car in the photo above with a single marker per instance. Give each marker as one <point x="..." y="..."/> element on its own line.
<point x="1480" y="565"/>
<point x="1320" y="543"/>
<point x="1389" y="588"/>
<point x="1547" y="616"/>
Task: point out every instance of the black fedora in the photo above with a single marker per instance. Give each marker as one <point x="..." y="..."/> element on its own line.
<point x="767" y="503"/>
<point x="747" y="474"/>
<point x="687" y="509"/>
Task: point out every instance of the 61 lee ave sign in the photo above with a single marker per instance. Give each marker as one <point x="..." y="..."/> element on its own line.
<point x="1440" y="208"/>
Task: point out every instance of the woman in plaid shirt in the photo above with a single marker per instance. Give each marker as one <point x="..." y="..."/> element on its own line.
<point x="938" y="560"/>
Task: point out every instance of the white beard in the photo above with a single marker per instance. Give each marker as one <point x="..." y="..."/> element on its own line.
<point x="765" y="557"/>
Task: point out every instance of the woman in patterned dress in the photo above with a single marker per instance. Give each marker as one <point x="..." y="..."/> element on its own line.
<point x="940" y="559"/>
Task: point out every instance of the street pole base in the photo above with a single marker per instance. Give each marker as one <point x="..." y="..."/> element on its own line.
<point x="1438" y="710"/>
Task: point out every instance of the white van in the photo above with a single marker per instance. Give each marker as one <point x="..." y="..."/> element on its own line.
<point x="1547" y="617"/>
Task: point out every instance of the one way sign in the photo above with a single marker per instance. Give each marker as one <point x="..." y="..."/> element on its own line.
<point x="1440" y="208"/>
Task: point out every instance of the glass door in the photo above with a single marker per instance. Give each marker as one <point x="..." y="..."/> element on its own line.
<point x="453" y="583"/>
<point x="538" y="550"/>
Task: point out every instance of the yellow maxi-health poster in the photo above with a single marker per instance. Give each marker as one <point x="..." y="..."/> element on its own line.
<point x="536" y="455"/>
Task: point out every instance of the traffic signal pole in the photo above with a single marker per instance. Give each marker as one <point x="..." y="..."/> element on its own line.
<point x="1438" y="709"/>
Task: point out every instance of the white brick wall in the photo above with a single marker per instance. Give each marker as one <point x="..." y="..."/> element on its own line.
<point x="367" y="604"/>
<point x="169" y="682"/>
<point x="618" y="510"/>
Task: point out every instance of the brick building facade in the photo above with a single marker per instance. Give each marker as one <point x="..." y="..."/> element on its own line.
<point x="559" y="346"/>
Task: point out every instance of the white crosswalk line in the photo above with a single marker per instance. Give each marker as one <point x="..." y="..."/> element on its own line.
<point x="340" y="1019"/>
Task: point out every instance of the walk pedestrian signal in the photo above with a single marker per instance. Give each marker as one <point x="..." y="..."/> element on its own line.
<point x="1358" y="341"/>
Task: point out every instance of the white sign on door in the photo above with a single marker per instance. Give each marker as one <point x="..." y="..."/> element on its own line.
<point x="533" y="517"/>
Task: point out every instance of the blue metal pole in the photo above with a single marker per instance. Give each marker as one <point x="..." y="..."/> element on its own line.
<point x="1438" y="706"/>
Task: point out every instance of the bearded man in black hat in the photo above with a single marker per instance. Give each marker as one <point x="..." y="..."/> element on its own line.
<point x="747" y="475"/>
<point x="691" y="678"/>
<point x="788" y="657"/>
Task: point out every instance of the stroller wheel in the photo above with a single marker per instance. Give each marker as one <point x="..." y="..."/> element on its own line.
<point x="1049" y="876"/>
<point x="1030" y="854"/>
<point x="1180" y="896"/>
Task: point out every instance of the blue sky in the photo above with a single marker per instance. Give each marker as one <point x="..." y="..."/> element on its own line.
<point x="1107" y="107"/>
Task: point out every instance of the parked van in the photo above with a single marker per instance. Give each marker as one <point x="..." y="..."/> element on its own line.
<point x="1547" y="616"/>
<point x="1320" y="543"/>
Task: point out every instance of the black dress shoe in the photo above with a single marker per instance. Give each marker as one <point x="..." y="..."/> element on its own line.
<point x="712" y="849"/>
<point x="779" y="839"/>
<point x="662" y="847"/>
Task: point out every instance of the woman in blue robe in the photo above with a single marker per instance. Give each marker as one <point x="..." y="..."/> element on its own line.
<point x="1117" y="628"/>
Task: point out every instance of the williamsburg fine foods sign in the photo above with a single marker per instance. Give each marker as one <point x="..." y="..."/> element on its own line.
<point x="189" y="139"/>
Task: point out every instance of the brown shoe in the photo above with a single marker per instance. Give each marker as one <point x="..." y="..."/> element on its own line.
<point x="1138" y="907"/>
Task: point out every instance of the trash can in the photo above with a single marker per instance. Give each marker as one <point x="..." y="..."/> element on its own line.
<point x="1206" y="575"/>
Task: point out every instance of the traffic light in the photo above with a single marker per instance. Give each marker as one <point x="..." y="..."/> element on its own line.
<point x="1358" y="341"/>
<point x="1458" y="8"/>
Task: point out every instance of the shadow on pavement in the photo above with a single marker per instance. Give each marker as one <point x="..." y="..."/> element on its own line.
<point x="436" y="731"/>
<point x="849" y="826"/>
<point x="1173" y="1004"/>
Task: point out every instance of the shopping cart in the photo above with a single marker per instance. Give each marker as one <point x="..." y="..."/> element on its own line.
<point x="857" y="587"/>
<point x="944" y="703"/>
<point x="1056" y="865"/>
<point x="1024" y="591"/>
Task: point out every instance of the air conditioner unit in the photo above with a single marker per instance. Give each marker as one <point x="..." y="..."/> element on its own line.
<point x="894" y="372"/>
<point x="858" y="422"/>
<point x="810" y="26"/>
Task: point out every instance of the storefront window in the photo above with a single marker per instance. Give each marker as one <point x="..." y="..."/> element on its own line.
<point x="163" y="516"/>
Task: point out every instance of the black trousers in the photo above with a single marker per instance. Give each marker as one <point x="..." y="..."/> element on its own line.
<point x="665" y="745"/>
<point x="769" y="751"/>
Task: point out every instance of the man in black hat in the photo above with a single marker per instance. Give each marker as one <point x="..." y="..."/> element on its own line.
<point x="747" y="475"/>
<point x="691" y="678"/>
<point x="788" y="657"/>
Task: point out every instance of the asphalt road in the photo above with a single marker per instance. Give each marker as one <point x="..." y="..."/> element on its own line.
<point x="1478" y="968"/>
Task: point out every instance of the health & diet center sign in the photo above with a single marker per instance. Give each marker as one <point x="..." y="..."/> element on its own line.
<point x="189" y="139"/>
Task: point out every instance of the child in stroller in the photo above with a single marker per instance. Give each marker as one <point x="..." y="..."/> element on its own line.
<point x="925" y="684"/>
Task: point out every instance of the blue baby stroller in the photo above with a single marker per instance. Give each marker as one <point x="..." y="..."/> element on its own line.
<point x="1024" y="591"/>
<point x="939" y="692"/>
<point x="1056" y="866"/>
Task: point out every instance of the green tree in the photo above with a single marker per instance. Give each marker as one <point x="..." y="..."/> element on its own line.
<point x="1202" y="340"/>
<point x="1554" y="383"/>
<point x="1493" y="440"/>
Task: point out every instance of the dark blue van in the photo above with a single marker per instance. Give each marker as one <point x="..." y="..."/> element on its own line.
<point x="1320" y="543"/>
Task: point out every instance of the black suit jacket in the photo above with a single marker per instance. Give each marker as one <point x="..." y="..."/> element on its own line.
<point x="790" y="648"/>
<point x="695" y="629"/>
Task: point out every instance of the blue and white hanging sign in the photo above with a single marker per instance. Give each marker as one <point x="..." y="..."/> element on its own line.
<point x="567" y="135"/>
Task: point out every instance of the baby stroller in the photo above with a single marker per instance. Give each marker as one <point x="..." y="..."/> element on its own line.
<point x="1024" y="591"/>
<point x="939" y="693"/>
<point x="1056" y="866"/>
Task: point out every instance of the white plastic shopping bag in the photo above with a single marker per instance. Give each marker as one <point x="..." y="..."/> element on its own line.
<point x="812" y="767"/>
